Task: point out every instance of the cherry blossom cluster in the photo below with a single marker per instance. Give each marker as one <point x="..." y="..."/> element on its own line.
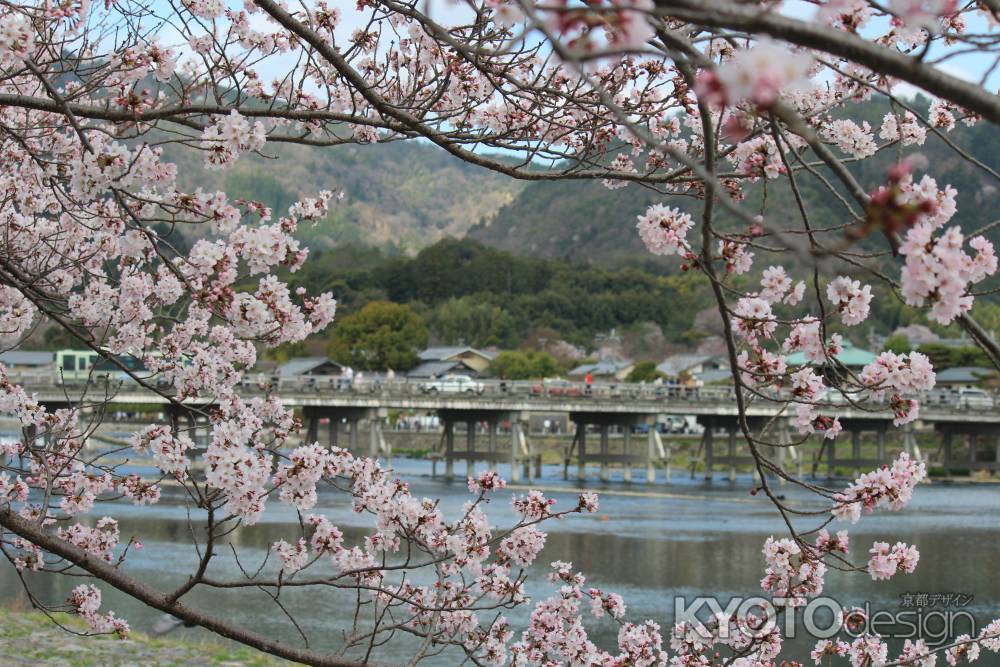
<point x="851" y="299"/>
<point x="557" y="635"/>
<point x="886" y="560"/>
<point x="168" y="450"/>
<point x="664" y="230"/>
<point x="600" y="88"/>
<point x="100" y="540"/>
<point x="939" y="271"/>
<point x="86" y="601"/>
<point x="791" y="573"/>
<point x="17" y="36"/>
<point x="889" y="486"/>
<point x="749" y="638"/>
<point x="229" y="137"/>
<point x="757" y="75"/>
<point x="776" y="286"/>
<point x="899" y="375"/>
<point x="623" y="23"/>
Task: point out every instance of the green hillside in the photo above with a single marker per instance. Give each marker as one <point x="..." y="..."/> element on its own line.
<point x="583" y="221"/>
<point x="398" y="196"/>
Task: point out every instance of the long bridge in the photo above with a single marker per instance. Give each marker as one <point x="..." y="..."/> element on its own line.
<point x="597" y="409"/>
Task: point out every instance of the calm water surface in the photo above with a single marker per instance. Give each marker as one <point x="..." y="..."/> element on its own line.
<point x="650" y="543"/>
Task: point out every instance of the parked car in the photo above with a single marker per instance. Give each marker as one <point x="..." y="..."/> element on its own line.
<point x="453" y="384"/>
<point x="687" y="424"/>
<point x="970" y="397"/>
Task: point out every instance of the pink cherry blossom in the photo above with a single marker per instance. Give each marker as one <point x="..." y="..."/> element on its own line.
<point x="664" y="230"/>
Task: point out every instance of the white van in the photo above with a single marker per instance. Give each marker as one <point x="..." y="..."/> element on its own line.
<point x="977" y="399"/>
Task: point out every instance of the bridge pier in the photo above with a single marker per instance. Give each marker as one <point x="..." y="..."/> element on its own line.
<point x="654" y="450"/>
<point x="604" y="457"/>
<point x="730" y="425"/>
<point x="470" y="446"/>
<point x="857" y="427"/>
<point x="449" y="450"/>
<point x="627" y="446"/>
<point x="975" y="434"/>
<point x="519" y="455"/>
<point x="352" y="418"/>
<point x="493" y="427"/>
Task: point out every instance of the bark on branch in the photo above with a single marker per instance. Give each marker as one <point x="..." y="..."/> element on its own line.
<point x="838" y="43"/>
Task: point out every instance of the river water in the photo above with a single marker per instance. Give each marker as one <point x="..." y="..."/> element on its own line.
<point x="650" y="543"/>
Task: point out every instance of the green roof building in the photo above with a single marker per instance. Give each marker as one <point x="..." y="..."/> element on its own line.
<point x="850" y="356"/>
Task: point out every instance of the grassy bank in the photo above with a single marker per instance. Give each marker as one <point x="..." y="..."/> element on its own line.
<point x="30" y="639"/>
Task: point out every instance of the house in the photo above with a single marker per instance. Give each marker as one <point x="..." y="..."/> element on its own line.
<point x="441" y="361"/>
<point x="963" y="377"/>
<point x="854" y="358"/>
<point x="707" y="368"/>
<point x="477" y="360"/>
<point x="713" y="376"/>
<point x="602" y="370"/>
<point x="21" y="360"/>
<point x="310" y="367"/>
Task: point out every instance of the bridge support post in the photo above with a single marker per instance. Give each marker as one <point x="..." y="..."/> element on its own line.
<point x="375" y="440"/>
<point x="355" y="423"/>
<point x="538" y="462"/>
<point x="604" y="452"/>
<point x="706" y="441"/>
<point x="856" y="451"/>
<point x="914" y="449"/>
<point x="312" y="430"/>
<point x="449" y="450"/>
<point x="784" y="450"/>
<point x="651" y="455"/>
<point x="971" y="438"/>
<point x="493" y="445"/>
<point x="515" y="448"/>
<point x="470" y="446"/>
<point x="334" y="431"/>
<point x="782" y="453"/>
<point x="627" y="445"/>
<point x="581" y="461"/>
<point x="946" y="452"/>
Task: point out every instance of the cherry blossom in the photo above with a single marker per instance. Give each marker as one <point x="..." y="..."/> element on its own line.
<point x="758" y="75"/>
<point x="889" y="486"/>
<point x="851" y="299"/>
<point x="887" y="560"/>
<point x="681" y="101"/>
<point x="966" y="650"/>
<point x="664" y="230"/>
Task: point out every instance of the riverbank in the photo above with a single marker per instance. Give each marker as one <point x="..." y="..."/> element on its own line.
<point x="29" y="639"/>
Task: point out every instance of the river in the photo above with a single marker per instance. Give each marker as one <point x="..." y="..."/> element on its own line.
<point x="650" y="543"/>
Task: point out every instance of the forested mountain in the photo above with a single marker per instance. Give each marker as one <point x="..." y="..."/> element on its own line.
<point x="399" y="196"/>
<point x="404" y="196"/>
<point x="550" y="261"/>
<point x="587" y="222"/>
<point x="468" y="293"/>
